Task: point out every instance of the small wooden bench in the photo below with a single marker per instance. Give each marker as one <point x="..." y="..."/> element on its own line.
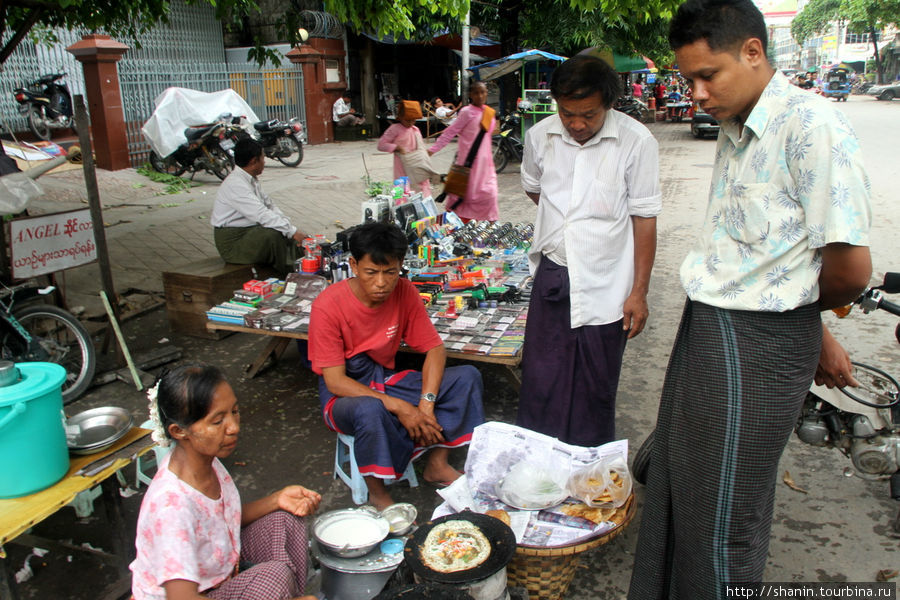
<point x="191" y="289"/>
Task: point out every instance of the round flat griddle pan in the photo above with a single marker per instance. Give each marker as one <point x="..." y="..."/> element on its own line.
<point x="498" y="533"/>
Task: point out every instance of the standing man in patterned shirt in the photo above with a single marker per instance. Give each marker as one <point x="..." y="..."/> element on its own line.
<point x="785" y="236"/>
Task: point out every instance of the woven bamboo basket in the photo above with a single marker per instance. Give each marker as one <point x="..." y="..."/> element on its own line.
<point x="547" y="572"/>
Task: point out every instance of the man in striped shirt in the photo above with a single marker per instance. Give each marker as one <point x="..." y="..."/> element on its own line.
<point x="594" y="174"/>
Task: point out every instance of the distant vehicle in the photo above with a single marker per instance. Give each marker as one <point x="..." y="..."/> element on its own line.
<point x="885" y="92"/>
<point x="703" y="123"/>
<point x="837" y="84"/>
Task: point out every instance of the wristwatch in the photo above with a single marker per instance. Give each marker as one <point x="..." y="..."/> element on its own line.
<point x="429" y="397"/>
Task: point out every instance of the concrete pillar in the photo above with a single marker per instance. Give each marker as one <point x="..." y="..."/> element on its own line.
<point x="318" y="111"/>
<point x="98" y="55"/>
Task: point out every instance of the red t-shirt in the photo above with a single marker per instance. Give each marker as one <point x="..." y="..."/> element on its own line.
<point x="341" y="326"/>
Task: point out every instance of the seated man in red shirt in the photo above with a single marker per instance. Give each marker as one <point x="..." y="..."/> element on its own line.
<point x="354" y="334"/>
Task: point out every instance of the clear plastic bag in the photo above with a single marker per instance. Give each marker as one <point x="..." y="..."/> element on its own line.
<point x="531" y="487"/>
<point x="605" y="483"/>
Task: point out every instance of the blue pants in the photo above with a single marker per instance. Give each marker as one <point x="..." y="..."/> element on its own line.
<point x="382" y="445"/>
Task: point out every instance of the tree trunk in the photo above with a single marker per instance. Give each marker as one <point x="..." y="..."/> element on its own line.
<point x="367" y="82"/>
<point x="879" y="68"/>
<point x="509" y="44"/>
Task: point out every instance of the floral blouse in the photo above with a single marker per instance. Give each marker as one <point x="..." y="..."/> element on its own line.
<point x="183" y="534"/>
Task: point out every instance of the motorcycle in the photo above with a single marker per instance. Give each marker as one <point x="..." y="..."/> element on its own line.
<point x="634" y="108"/>
<point x="46" y="104"/>
<point x="206" y="149"/>
<point x="862" y="422"/>
<point x="508" y="145"/>
<point x="281" y="140"/>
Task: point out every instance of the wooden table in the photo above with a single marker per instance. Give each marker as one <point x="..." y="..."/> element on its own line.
<point x="17" y="515"/>
<point x="280" y="340"/>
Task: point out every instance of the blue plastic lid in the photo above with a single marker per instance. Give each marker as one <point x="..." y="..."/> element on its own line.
<point x="391" y="546"/>
<point x="36" y="379"/>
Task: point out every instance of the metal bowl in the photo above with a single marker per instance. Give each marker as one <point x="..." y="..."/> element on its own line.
<point x="97" y="429"/>
<point x="400" y="517"/>
<point x="350" y="532"/>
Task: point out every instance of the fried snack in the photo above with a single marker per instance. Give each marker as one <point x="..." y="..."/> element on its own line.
<point x="499" y="514"/>
<point x="596" y="515"/>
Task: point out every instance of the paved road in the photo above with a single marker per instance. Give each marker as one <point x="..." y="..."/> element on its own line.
<point x="838" y="531"/>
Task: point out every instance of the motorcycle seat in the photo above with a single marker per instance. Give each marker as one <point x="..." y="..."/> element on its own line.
<point x="264" y="126"/>
<point x="196" y="132"/>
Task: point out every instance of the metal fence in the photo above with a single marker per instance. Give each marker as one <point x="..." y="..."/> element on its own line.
<point x="271" y="93"/>
<point x="188" y="51"/>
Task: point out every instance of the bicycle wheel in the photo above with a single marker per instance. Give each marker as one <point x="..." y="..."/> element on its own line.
<point x="63" y="340"/>
<point x="296" y="148"/>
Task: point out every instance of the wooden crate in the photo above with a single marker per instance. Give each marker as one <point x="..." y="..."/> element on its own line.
<point x="194" y="288"/>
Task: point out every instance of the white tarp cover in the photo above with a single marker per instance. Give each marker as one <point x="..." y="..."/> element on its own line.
<point x="179" y="108"/>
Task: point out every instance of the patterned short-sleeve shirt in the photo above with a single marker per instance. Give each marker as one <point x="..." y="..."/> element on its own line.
<point x="783" y="188"/>
<point x="183" y="534"/>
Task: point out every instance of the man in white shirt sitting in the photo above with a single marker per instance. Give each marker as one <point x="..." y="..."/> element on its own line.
<point x="249" y="228"/>
<point x="594" y="174"/>
<point x="342" y="113"/>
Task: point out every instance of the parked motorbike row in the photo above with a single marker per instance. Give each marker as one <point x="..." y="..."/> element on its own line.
<point x="209" y="147"/>
<point x="863" y="422"/>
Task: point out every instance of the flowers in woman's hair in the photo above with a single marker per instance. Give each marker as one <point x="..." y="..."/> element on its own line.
<point x="158" y="434"/>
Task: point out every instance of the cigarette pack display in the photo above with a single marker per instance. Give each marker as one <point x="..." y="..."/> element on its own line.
<point x="282" y="321"/>
<point x="247" y="296"/>
<point x="301" y="285"/>
<point x="276" y="301"/>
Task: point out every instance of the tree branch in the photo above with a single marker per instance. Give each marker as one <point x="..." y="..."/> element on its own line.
<point x="21" y="32"/>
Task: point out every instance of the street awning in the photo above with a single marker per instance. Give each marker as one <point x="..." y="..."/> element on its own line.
<point x="508" y="64"/>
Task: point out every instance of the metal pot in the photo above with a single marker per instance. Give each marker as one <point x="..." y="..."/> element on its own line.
<point x="350" y="532"/>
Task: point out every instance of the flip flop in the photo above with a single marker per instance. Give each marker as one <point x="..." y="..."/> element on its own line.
<point x="439" y="484"/>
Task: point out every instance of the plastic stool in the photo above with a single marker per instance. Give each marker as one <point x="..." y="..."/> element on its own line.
<point x="146" y="461"/>
<point x="343" y="454"/>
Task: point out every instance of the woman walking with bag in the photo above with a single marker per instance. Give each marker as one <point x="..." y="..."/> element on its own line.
<point x="405" y="141"/>
<point x="474" y="126"/>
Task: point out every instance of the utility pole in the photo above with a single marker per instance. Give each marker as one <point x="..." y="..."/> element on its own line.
<point x="463" y="74"/>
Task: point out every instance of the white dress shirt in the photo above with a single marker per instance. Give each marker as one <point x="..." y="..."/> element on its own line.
<point x="588" y="194"/>
<point x="240" y="202"/>
<point x="340" y="109"/>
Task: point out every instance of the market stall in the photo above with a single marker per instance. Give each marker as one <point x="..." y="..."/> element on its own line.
<point x="535" y="68"/>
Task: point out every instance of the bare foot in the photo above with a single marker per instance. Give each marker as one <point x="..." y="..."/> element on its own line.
<point x="441" y="474"/>
<point x="378" y="494"/>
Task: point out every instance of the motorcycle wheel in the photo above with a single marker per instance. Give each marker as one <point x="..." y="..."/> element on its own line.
<point x="222" y="163"/>
<point x="288" y="161"/>
<point x="37" y="123"/>
<point x="165" y="165"/>
<point x="641" y="463"/>
<point x="62" y="340"/>
<point x="500" y="157"/>
<point x="695" y="130"/>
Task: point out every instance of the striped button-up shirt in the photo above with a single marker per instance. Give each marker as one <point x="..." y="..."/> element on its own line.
<point x="588" y="194"/>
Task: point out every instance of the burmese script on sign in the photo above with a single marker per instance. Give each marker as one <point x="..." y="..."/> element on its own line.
<point x="51" y="243"/>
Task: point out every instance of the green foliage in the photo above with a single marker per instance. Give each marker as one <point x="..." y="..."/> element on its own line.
<point x="814" y="19"/>
<point x="567" y="26"/>
<point x="398" y="18"/>
<point x="174" y="184"/>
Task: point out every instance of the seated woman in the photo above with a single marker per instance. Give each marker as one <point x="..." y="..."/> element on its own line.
<point x="355" y="331"/>
<point x="193" y="533"/>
